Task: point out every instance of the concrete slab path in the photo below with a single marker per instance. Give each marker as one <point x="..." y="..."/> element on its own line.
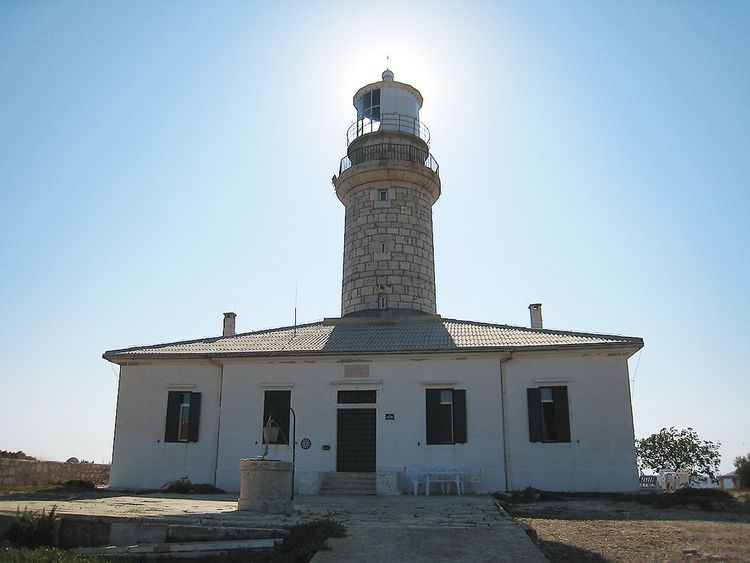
<point x="379" y="529"/>
<point x="467" y="529"/>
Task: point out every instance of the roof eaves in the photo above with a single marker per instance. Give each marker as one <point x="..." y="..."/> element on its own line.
<point x="634" y="343"/>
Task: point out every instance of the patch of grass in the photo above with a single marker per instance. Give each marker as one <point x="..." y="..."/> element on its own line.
<point x="73" y="486"/>
<point x="43" y="555"/>
<point x="4" y="489"/>
<point x="31" y="529"/>
<point x="705" y="499"/>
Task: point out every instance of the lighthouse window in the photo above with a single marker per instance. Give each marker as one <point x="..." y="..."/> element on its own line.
<point x="370" y="105"/>
<point x="383" y="195"/>
<point x="382" y="303"/>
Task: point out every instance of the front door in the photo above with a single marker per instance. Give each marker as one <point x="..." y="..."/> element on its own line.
<point x="355" y="443"/>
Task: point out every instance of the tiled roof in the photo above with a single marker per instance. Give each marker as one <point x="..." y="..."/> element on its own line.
<point x="346" y="336"/>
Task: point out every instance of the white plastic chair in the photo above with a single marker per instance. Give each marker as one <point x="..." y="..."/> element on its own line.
<point x="416" y="477"/>
<point x="472" y="476"/>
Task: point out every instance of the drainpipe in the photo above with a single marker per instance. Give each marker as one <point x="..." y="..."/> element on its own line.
<point x="218" y="417"/>
<point x="503" y="402"/>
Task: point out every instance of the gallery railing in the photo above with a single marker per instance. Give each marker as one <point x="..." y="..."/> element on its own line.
<point x="388" y="122"/>
<point x="389" y="151"/>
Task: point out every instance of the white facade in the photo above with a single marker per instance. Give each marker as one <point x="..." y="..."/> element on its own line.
<point x="599" y="457"/>
<point x="528" y="407"/>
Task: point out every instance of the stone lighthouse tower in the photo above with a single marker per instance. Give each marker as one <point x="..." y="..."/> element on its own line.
<point x="388" y="181"/>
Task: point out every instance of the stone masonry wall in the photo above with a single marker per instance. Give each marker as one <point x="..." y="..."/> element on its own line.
<point x="20" y="472"/>
<point x="388" y="249"/>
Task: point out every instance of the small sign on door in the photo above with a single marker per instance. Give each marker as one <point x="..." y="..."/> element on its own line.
<point x="390" y="416"/>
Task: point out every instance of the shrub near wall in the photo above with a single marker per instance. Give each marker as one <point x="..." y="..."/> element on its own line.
<point x="19" y="472"/>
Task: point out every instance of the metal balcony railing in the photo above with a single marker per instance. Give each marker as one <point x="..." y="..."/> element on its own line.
<point x="388" y="122"/>
<point x="389" y="151"/>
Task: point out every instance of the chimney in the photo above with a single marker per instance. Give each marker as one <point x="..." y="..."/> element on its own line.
<point x="536" y="315"/>
<point x="229" y="324"/>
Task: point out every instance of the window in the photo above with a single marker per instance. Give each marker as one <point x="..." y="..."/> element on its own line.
<point x="183" y="416"/>
<point x="382" y="301"/>
<point x="276" y="404"/>
<point x="549" y="420"/>
<point x="446" y="416"/>
<point x="383" y="195"/>
<point x="382" y="247"/>
<point x="356" y="397"/>
<point x="369" y="105"/>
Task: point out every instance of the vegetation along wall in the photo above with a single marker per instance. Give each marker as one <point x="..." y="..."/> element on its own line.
<point x="21" y="472"/>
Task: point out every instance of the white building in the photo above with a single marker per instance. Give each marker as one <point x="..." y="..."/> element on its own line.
<point x="390" y="384"/>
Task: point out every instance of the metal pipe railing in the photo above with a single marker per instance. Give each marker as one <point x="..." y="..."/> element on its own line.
<point x="388" y="122"/>
<point x="389" y="151"/>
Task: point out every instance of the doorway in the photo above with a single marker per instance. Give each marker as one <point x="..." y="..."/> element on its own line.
<point x="355" y="440"/>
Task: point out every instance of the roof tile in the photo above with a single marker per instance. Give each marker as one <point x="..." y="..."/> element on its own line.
<point x="344" y="336"/>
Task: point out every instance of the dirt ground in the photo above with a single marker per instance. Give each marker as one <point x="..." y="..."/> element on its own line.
<point x="605" y="530"/>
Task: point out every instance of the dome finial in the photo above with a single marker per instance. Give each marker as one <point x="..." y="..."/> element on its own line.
<point x="387" y="74"/>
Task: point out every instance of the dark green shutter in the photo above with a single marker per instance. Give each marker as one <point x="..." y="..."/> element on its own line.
<point x="459" y="416"/>
<point x="195" y="417"/>
<point x="562" y="418"/>
<point x="433" y="415"/>
<point x="173" y="416"/>
<point x="534" y="397"/>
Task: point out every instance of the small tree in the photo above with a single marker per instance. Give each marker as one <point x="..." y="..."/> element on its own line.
<point x="672" y="449"/>
<point x="742" y="464"/>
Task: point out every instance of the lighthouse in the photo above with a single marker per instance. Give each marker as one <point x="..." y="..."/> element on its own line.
<point x="388" y="182"/>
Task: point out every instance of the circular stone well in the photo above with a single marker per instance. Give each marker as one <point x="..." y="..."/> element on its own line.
<point x="265" y="486"/>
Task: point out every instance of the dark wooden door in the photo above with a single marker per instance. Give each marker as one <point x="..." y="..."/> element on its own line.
<point x="355" y="440"/>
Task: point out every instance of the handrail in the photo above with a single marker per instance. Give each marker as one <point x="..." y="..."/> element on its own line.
<point x="389" y="151"/>
<point x="388" y="122"/>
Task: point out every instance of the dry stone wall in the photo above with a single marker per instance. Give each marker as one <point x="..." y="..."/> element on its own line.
<point x="21" y="472"/>
<point x="388" y="249"/>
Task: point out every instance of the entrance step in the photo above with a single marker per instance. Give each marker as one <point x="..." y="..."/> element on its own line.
<point x="341" y="483"/>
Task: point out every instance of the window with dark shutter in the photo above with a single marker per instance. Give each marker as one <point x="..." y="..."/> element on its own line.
<point x="276" y="404"/>
<point x="446" y="416"/>
<point x="549" y="419"/>
<point x="183" y="416"/>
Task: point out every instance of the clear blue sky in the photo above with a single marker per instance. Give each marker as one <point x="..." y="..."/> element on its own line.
<point x="164" y="162"/>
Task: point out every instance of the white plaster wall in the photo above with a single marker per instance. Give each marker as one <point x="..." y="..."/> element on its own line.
<point x="601" y="454"/>
<point x="141" y="458"/>
<point x="401" y="385"/>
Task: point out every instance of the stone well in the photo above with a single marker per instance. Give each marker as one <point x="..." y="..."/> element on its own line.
<point x="265" y="486"/>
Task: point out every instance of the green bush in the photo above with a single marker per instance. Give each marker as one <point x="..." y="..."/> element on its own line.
<point x="76" y="485"/>
<point x="305" y="539"/>
<point x="742" y="464"/>
<point x="183" y="486"/>
<point x="16" y="455"/>
<point x="31" y="529"/>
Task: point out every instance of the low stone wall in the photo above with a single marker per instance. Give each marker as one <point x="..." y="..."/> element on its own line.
<point x="19" y="472"/>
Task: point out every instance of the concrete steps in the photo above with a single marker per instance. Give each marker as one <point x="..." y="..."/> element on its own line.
<point x="147" y="538"/>
<point x="349" y="484"/>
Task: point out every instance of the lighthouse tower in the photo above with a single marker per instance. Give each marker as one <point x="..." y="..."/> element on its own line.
<point x="388" y="182"/>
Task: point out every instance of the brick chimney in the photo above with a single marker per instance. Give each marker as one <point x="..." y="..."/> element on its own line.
<point x="535" y="309"/>
<point x="229" y="324"/>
